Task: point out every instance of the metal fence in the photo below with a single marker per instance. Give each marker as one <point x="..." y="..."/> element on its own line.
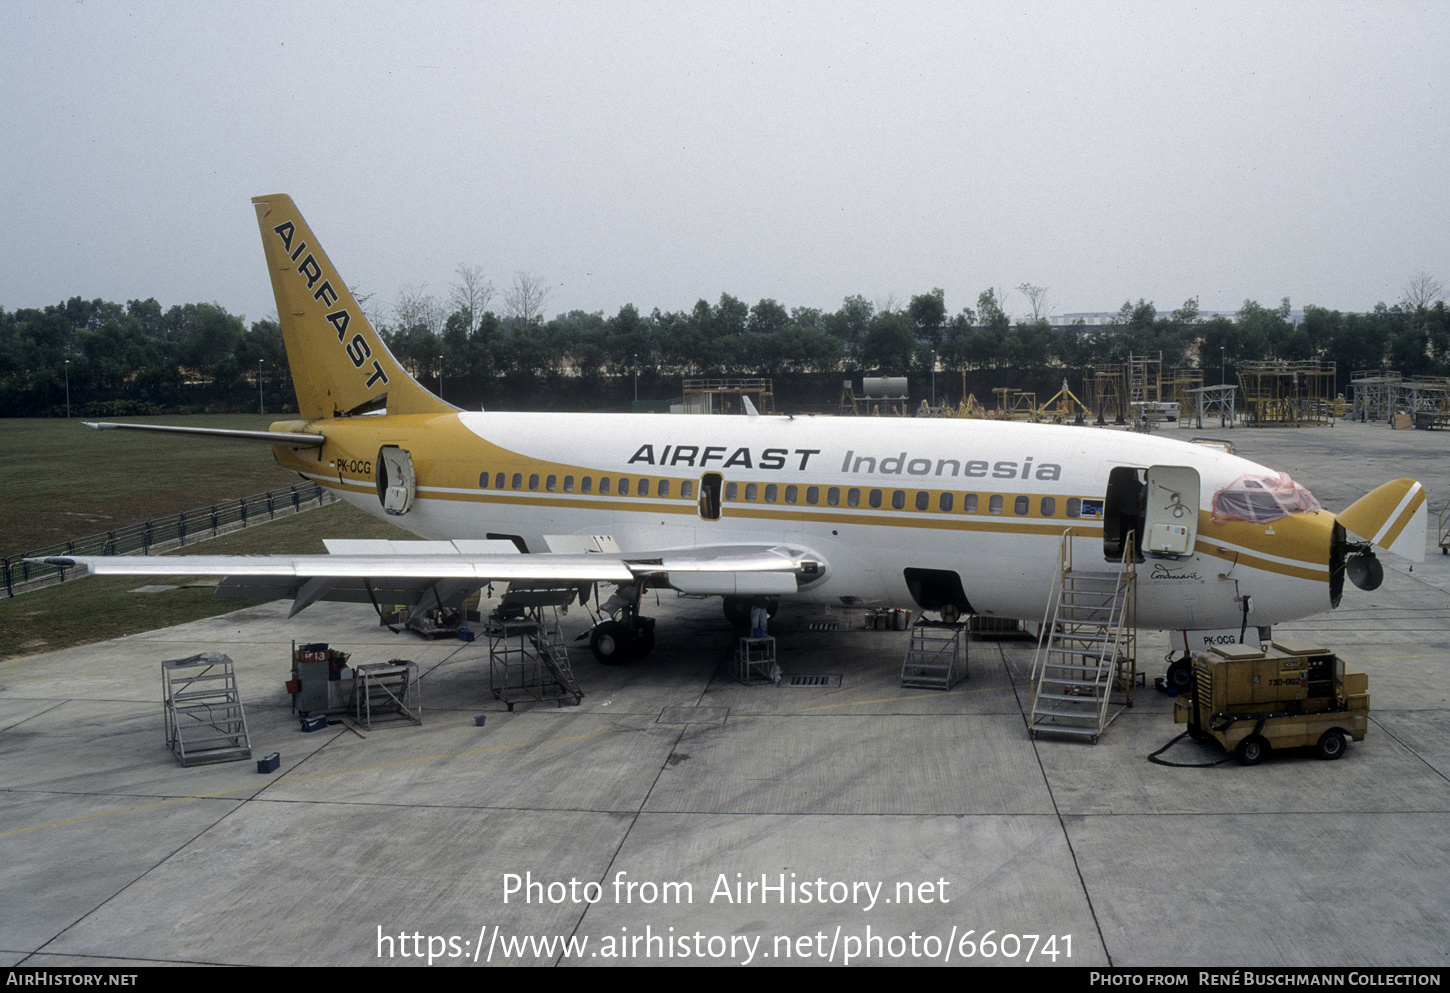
<point x="163" y="534"/>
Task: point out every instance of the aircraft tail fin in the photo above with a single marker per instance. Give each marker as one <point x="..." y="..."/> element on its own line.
<point x="1392" y="517"/>
<point x="339" y="364"/>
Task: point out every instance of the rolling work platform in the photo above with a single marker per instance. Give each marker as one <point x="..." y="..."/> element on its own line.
<point x="204" y="718"/>
<point x="528" y="659"/>
<point x="1085" y="669"/>
<point x="936" y="657"/>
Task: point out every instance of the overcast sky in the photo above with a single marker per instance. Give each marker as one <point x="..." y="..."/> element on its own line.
<point x="657" y="153"/>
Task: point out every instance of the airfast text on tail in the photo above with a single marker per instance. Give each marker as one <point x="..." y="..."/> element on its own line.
<point x="339" y="364"/>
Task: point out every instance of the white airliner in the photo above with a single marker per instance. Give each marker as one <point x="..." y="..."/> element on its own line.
<point x="961" y="516"/>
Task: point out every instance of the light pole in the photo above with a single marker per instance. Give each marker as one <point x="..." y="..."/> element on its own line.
<point x="636" y="377"/>
<point x="261" y="404"/>
<point x="67" y="389"/>
<point x="440" y="377"/>
<point x="1221" y="380"/>
<point x="933" y="377"/>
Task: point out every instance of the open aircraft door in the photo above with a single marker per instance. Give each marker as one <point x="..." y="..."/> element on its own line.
<point x="1170" y="512"/>
<point x="397" y="482"/>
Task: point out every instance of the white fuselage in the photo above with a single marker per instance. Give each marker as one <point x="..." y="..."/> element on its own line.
<point x="872" y="497"/>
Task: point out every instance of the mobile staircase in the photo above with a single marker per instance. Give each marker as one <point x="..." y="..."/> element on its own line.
<point x="1085" y="669"/>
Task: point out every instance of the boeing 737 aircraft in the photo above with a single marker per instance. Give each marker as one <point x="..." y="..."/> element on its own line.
<point x="961" y="516"/>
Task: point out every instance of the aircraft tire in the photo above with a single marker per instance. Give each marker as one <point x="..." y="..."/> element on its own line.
<point x="612" y="643"/>
<point x="1180" y="677"/>
<point x="1331" y="744"/>
<point x="737" y="611"/>
<point x="1251" y="750"/>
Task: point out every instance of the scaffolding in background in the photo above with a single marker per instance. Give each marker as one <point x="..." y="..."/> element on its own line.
<point x="711" y="396"/>
<point x="1371" y="389"/>
<point x="1280" y="393"/>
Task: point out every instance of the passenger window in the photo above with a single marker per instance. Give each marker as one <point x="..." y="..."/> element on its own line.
<point x="898" y="499"/>
<point x="731" y="489"/>
<point x="923" y="500"/>
<point x="643" y="487"/>
<point x="875" y="498"/>
<point x="498" y="481"/>
<point x="518" y="480"/>
<point x="833" y="496"/>
<point x="483" y="480"/>
<point x="749" y="492"/>
<point x="853" y="497"/>
<point x="994" y="505"/>
<point x="790" y="494"/>
<point x="770" y="492"/>
<point x="687" y="489"/>
<point x="533" y="480"/>
<point x="1049" y="507"/>
<point x="969" y="503"/>
<point x="1074" y="506"/>
<point x="623" y="486"/>
<point x="568" y="484"/>
<point x="813" y="495"/>
<point x="551" y="483"/>
<point x="945" y="503"/>
<point x="586" y="485"/>
<point x="1020" y="506"/>
<point x="604" y="486"/>
<point x="664" y="488"/>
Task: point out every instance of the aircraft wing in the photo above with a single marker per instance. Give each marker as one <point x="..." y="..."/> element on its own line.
<point x="412" y="572"/>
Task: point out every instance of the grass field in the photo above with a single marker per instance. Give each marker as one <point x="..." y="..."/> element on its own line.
<point x="64" y="480"/>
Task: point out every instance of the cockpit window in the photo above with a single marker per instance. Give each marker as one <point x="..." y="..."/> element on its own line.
<point x="1260" y="499"/>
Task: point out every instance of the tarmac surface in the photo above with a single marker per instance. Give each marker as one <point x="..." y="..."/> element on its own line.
<point x="885" y="823"/>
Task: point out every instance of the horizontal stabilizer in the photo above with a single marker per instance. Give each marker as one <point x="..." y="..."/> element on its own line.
<point x="291" y="439"/>
<point x="1392" y="517"/>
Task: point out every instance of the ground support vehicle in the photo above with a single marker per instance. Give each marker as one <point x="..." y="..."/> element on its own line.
<point x="1291" y="695"/>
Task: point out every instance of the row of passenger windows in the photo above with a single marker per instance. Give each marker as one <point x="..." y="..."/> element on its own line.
<point x="788" y="494"/>
<point x="551" y="484"/>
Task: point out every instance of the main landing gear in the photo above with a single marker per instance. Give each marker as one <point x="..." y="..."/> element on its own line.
<point x="626" y="636"/>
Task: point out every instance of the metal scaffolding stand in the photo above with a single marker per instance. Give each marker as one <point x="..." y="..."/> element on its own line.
<point x="1211" y="401"/>
<point x="204" y="718"/>
<point x="529" y="660"/>
<point x="936" y="657"/>
<point x="386" y="691"/>
<point x="755" y="661"/>
<point x="1372" y="390"/>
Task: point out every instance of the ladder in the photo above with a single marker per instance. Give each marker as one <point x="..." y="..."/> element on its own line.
<point x="1085" y="669"/>
<point x="204" y="718"/>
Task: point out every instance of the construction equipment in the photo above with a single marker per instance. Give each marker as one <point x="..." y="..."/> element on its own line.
<point x="1293" y="695"/>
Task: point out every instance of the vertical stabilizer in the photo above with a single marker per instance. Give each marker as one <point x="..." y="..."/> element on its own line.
<point x="338" y="362"/>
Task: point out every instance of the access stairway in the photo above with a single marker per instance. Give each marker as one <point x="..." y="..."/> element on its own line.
<point x="1085" y="669"/>
<point x="204" y="717"/>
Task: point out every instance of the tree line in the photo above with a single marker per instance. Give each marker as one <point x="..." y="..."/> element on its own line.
<point x="138" y="353"/>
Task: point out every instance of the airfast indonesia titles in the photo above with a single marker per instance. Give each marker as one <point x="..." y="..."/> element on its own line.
<point x="799" y="459"/>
